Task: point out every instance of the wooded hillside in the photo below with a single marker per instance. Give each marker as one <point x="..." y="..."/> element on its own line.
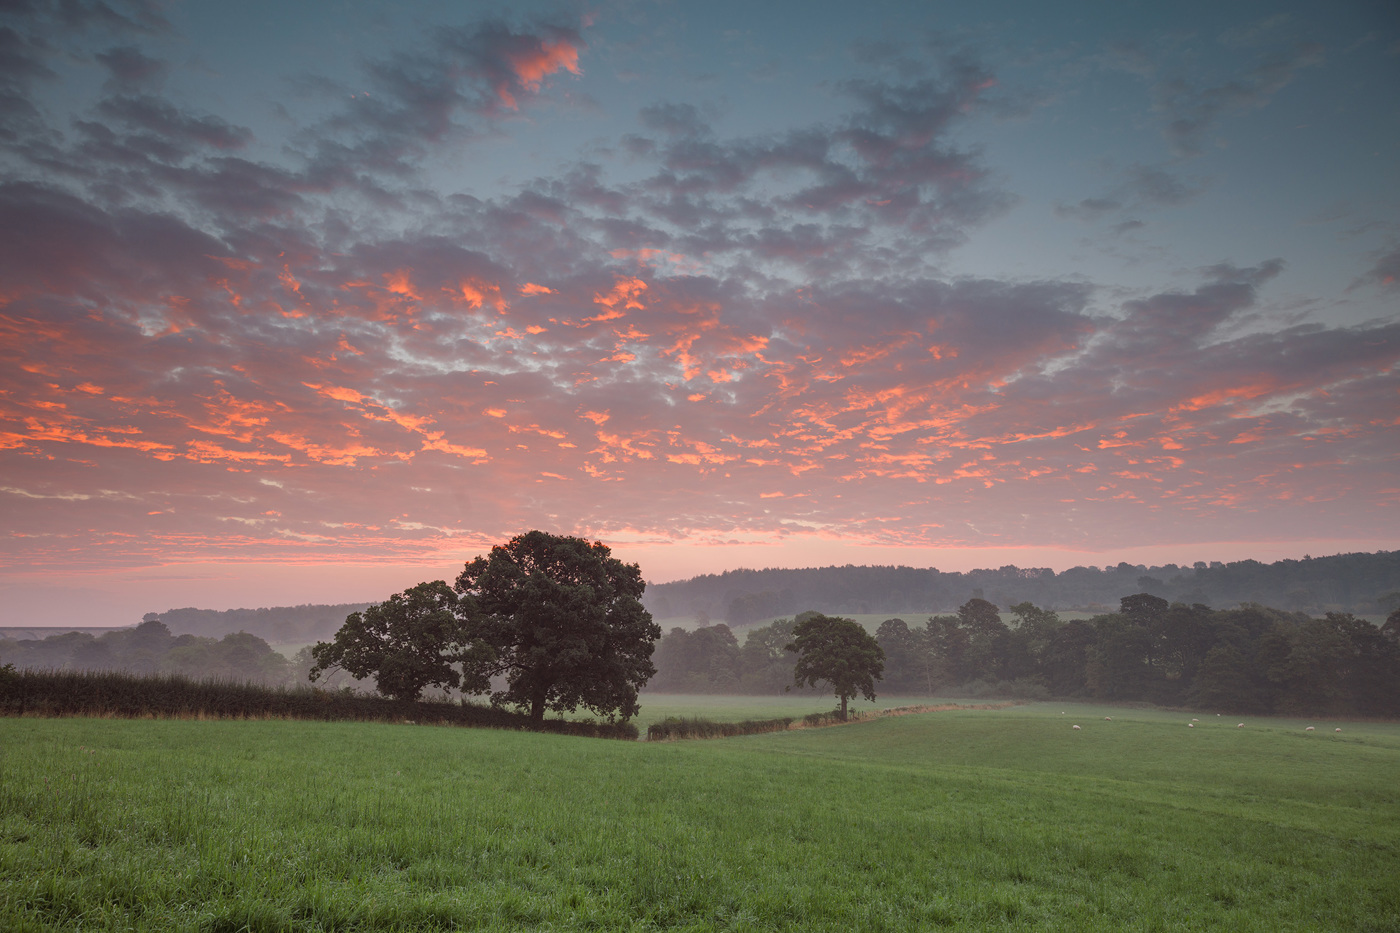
<point x="1365" y="584"/>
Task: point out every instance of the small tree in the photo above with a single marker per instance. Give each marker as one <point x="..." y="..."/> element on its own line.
<point x="565" y="622"/>
<point x="412" y="640"/>
<point x="838" y="652"/>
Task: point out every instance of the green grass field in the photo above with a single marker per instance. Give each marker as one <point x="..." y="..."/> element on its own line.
<point x="956" y="820"/>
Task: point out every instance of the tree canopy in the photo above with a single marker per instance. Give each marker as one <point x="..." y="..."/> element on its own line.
<point x="838" y="652"/>
<point x="414" y="639"/>
<point x="564" y="622"/>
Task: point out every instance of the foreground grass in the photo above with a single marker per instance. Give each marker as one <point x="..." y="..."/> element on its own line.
<point x="965" y="820"/>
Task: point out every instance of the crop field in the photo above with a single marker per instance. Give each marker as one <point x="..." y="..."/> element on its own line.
<point x="1005" y="819"/>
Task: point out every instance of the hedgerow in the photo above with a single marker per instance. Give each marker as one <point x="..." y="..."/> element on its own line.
<point x="681" y="727"/>
<point x="131" y="696"/>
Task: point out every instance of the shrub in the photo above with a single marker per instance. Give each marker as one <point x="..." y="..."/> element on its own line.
<point x="679" y="727"/>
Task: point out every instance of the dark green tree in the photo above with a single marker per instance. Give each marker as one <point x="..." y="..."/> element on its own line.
<point x="943" y="649"/>
<point x="764" y="667"/>
<point x="901" y="647"/>
<point x="1226" y="682"/>
<point x="414" y="639"/>
<point x="987" y="640"/>
<point x="565" y="623"/>
<point x="703" y="661"/>
<point x="838" y="652"/>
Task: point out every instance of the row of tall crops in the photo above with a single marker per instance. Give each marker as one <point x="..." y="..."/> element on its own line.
<point x="131" y="696"/>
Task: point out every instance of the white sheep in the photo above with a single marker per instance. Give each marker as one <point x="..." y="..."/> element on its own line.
<point x="1190" y="725"/>
<point x="1240" y="726"/>
<point x="1108" y="719"/>
<point x="1339" y="728"/>
<point x="1308" y="729"/>
<point x="1075" y="728"/>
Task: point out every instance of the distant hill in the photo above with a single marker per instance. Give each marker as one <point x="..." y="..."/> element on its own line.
<point x="22" y="632"/>
<point x="279" y="625"/>
<point x="1362" y="583"/>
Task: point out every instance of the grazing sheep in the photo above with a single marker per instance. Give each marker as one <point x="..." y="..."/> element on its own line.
<point x="1339" y="728"/>
<point x="1190" y="725"/>
<point x="1075" y="728"/>
<point x="1240" y="726"/>
<point x="1308" y="729"/>
<point x="1108" y="719"/>
<point x="1195" y="720"/>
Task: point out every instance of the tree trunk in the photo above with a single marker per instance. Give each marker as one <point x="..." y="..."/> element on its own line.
<point x="843" y="708"/>
<point x="537" y="712"/>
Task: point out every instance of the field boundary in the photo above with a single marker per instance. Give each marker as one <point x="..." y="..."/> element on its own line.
<point x="115" y="695"/>
<point x="681" y="728"/>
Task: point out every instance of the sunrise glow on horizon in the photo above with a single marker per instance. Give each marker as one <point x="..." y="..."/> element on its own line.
<point x="310" y="305"/>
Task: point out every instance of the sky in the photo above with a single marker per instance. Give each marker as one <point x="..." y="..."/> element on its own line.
<point x="311" y="302"/>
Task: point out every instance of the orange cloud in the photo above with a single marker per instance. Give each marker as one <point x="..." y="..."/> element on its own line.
<point x="475" y="293"/>
<point x="289" y="281"/>
<point x="203" y="451"/>
<point x="624" y="292"/>
<point x="532" y="66"/>
<point x="1210" y="399"/>
<point x="530" y="288"/>
<point x="434" y="441"/>
<point x="345" y="455"/>
<point x="232" y="262"/>
<point x="400" y="283"/>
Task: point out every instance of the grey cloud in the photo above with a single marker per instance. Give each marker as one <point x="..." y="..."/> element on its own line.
<point x="1385" y="273"/>
<point x="1169" y="318"/>
<point x="1191" y="110"/>
<point x="1088" y="208"/>
<point x="886" y="165"/>
<point x="174" y="130"/>
<point x="130" y="69"/>
<point x="139" y="16"/>
<point x="674" y="119"/>
<point x="21" y="64"/>
<point x="1156" y="186"/>
<point x="417" y="97"/>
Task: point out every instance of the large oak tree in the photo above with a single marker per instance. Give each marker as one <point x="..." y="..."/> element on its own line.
<point x="564" y="622"/>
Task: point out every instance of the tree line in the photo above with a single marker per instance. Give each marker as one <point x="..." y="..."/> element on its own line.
<point x="280" y="625"/>
<point x="150" y="649"/>
<point x="1251" y="659"/>
<point x="1362" y="583"/>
